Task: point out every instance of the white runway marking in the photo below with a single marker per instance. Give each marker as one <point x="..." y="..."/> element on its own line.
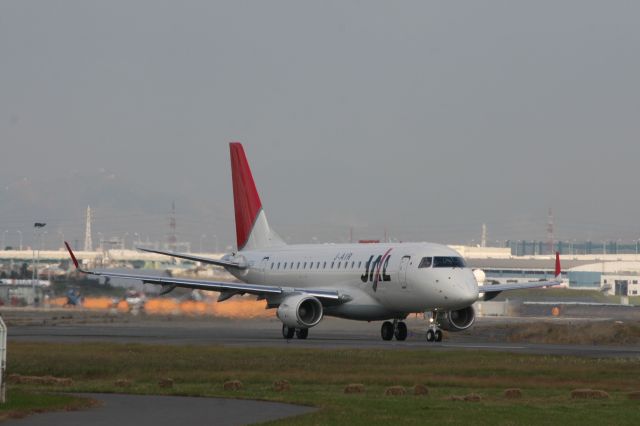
<point x="483" y="346"/>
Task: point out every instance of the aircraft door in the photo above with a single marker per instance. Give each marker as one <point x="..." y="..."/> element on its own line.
<point x="263" y="269"/>
<point x="402" y="271"/>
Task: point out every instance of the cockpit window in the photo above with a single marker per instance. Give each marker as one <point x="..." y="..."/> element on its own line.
<point x="448" y="262"/>
<point x="425" y="262"/>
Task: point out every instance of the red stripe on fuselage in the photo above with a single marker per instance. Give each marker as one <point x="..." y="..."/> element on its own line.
<point x="246" y="200"/>
<point x="376" y="276"/>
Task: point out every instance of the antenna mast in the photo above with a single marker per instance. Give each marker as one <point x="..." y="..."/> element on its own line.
<point x="550" y="233"/>
<point x="173" y="240"/>
<point x="88" y="243"/>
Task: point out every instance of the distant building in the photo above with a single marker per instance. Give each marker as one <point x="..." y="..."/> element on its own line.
<point x="621" y="285"/>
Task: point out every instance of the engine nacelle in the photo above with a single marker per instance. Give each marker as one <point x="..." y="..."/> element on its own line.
<point x="457" y="320"/>
<point x="300" y="311"/>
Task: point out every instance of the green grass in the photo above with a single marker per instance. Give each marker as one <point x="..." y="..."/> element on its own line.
<point x="20" y="403"/>
<point x="318" y="378"/>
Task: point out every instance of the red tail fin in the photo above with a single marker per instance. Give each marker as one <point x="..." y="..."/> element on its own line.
<point x="245" y="195"/>
<point x="558" y="269"/>
<point x="73" y="256"/>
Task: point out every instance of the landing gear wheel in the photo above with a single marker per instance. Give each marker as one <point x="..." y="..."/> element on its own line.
<point x="438" y="335"/>
<point x="401" y="331"/>
<point x="387" y="330"/>
<point x="302" y="333"/>
<point x="431" y="335"/>
<point x="288" y="332"/>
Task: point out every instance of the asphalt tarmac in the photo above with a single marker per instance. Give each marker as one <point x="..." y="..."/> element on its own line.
<point x="150" y="410"/>
<point x="330" y="333"/>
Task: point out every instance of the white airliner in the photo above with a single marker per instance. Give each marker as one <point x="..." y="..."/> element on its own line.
<point x="367" y="282"/>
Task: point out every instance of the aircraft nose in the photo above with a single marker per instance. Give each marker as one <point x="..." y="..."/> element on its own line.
<point x="467" y="289"/>
<point x="471" y="289"/>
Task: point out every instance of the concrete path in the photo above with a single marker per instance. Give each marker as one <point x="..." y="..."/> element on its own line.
<point x="149" y="410"/>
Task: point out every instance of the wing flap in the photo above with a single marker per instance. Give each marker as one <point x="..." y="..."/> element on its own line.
<point x="193" y="284"/>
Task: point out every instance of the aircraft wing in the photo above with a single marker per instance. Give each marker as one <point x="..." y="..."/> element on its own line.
<point x="227" y="290"/>
<point x="515" y="286"/>
<point x="497" y="288"/>
<point x="218" y="262"/>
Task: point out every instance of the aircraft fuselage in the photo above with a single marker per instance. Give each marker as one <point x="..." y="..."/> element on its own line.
<point x="382" y="280"/>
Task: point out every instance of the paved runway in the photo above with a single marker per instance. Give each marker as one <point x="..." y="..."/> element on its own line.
<point x="330" y="333"/>
<point x="149" y="410"/>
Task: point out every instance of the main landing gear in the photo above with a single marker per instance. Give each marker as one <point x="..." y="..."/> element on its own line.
<point x="396" y="328"/>
<point x="289" y="332"/>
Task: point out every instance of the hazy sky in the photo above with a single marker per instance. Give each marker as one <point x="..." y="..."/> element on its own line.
<point x="427" y="118"/>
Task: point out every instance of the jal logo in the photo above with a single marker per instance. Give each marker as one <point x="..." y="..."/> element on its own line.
<point x="373" y="269"/>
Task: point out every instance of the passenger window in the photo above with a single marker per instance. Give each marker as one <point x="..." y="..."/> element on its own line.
<point x="318" y="265"/>
<point x="353" y="264"/>
<point x="305" y="265"/>
<point x="271" y="265"/>
<point x="278" y="265"/>
<point x="425" y="262"/>
<point x="339" y="264"/>
<point x="359" y="264"/>
<point x="332" y="265"/>
<point x="324" y="265"/>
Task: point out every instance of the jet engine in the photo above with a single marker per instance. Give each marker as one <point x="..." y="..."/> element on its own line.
<point x="457" y="320"/>
<point x="300" y="311"/>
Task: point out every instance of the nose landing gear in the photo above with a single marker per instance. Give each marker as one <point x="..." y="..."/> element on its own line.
<point x="397" y="329"/>
<point x="434" y="334"/>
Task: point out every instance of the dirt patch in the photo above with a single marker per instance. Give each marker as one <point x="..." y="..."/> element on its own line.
<point x="634" y="395"/>
<point x="165" y="383"/>
<point x="420" y="390"/>
<point x="513" y="393"/>
<point x="281" y="385"/>
<point x="232" y="385"/>
<point x="354" y="388"/>
<point x="39" y="380"/>
<point x="395" y="391"/>
<point x="589" y="394"/>
<point x="578" y="333"/>
<point x="123" y="383"/>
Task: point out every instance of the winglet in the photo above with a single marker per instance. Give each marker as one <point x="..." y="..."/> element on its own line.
<point x="73" y="257"/>
<point x="558" y="268"/>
